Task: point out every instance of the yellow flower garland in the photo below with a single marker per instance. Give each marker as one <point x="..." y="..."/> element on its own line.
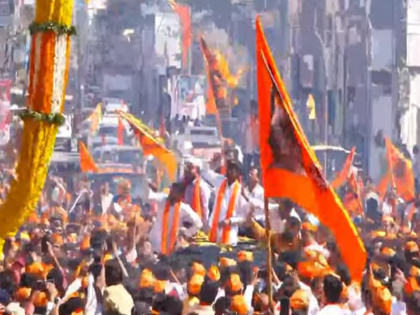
<point x="49" y="62"/>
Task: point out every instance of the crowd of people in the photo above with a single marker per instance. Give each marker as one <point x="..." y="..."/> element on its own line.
<point x="120" y="260"/>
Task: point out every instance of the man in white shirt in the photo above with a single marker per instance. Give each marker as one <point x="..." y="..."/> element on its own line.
<point x="199" y="203"/>
<point x="231" y="206"/>
<point x="171" y="214"/>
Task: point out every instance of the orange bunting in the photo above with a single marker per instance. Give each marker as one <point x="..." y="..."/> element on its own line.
<point x="87" y="164"/>
<point x="288" y="161"/>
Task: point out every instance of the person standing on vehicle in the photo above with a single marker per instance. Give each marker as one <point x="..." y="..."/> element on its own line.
<point x="250" y="131"/>
<point x="170" y="217"/>
<point x="231" y="206"/>
<point x="197" y="191"/>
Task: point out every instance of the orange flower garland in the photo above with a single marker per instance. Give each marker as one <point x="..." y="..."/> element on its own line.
<point x="49" y="61"/>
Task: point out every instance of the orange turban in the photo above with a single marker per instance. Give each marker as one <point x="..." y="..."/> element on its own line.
<point x="147" y="280"/>
<point x="234" y="283"/>
<point x="239" y="305"/>
<point x="213" y="273"/>
<point x="194" y="284"/>
<point x="245" y="256"/>
<point x="198" y="268"/>
<point x="299" y="300"/>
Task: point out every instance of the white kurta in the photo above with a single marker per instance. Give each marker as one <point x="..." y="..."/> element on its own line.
<point x="242" y="207"/>
<point x="205" y="193"/>
<point x="334" y="310"/>
<point x="186" y="214"/>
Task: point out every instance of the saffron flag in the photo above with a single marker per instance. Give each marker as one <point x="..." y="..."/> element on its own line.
<point x="343" y="176"/>
<point x="290" y="167"/>
<point x="400" y="173"/>
<point x="120" y="132"/>
<point x="151" y="144"/>
<point x="87" y="164"/>
<point x="184" y="14"/>
<point x="352" y="199"/>
<point x="218" y="91"/>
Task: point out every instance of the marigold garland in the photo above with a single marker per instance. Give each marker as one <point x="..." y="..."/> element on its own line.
<point x="49" y="61"/>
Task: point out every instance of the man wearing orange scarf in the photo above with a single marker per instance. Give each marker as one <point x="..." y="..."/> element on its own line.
<point x="197" y="191"/>
<point x="170" y="217"/>
<point x="231" y="205"/>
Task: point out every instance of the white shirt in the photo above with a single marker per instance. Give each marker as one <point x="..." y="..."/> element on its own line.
<point x="186" y="214"/>
<point x="106" y="201"/>
<point x="242" y="206"/>
<point x="258" y="194"/>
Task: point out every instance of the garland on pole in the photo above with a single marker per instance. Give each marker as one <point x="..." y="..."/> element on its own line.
<point x="48" y="74"/>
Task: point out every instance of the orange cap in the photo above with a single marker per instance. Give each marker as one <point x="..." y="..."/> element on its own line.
<point x="411" y="247"/>
<point x="198" y="268"/>
<point x="239" y="305"/>
<point x="234" y="283"/>
<point x="194" y="284"/>
<point x="36" y="269"/>
<point x="414" y="271"/>
<point x="22" y="294"/>
<point x="386" y="251"/>
<point x="299" y="300"/>
<point x="227" y="262"/>
<point x="245" y="256"/>
<point x="213" y="273"/>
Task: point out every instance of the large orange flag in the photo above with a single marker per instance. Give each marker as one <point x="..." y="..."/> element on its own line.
<point x="290" y="168"/>
<point x="87" y="164"/>
<point x="343" y="176"/>
<point x="400" y="172"/>
<point x="152" y="145"/>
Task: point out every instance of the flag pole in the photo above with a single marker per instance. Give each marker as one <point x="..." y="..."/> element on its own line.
<point x="269" y="256"/>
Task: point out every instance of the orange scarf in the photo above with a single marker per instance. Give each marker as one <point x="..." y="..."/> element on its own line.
<point x="165" y="228"/>
<point x="229" y="214"/>
<point x="196" y="202"/>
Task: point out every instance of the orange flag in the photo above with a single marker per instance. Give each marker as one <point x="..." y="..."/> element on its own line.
<point x="87" y="164"/>
<point x="343" y="176"/>
<point x="217" y="84"/>
<point x="353" y="200"/>
<point x="152" y="145"/>
<point x="120" y="132"/>
<point x="184" y="14"/>
<point x="290" y="167"/>
<point x="400" y="172"/>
